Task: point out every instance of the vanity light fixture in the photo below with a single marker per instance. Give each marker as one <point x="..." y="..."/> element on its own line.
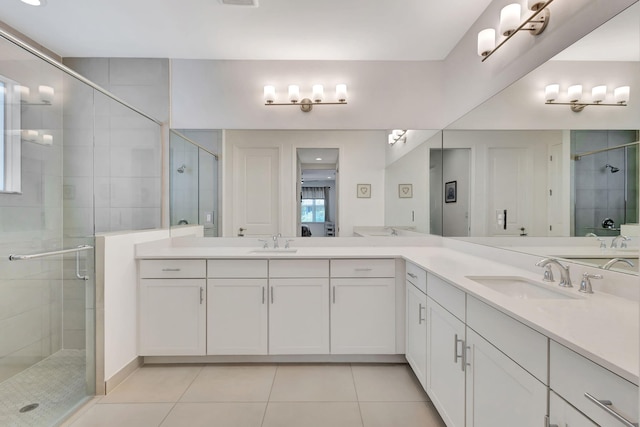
<point x="305" y="104"/>
<point x="510" y="25"/>
<point x="598" y="95"/>
<point x="35" y="2"/>
<point x="397" y="135"/>
<point x="45" y="95"/>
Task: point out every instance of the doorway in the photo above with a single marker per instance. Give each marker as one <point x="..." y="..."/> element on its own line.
<point x="317" y="192"/>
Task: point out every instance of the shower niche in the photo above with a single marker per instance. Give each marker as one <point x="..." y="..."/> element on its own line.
<point x="605" y="180"/>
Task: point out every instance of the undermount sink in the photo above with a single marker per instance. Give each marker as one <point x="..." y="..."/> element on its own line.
<point x="273" y="251"/>
<point x="520" y="287"/>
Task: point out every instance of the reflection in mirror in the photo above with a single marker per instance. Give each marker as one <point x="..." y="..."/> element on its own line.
<point x="542" y="177"/>
<point x="317" y="191"/>
<point x="193" y="183"/>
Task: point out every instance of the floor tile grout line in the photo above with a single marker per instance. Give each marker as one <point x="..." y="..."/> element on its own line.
<point x="181" y="396"/>
<point x="273" y="381"/>
<point x="355" y="388"/>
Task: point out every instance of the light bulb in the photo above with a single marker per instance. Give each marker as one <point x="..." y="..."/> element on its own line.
<point x="392" y="140"/>
<point x="46" y="94"/>
<point x="341" y="92"/>
<point x="621" y="94"/>
<point x="318" y="93"/>
<point x="486" y="41"/>
<point x="509" y="19"/>
<point x="269" y="94"/>
<point x="551" y="92"/>
<point x="575" y="93"/>
<point x="294" y="93"/>
<point x="598" y="93"/>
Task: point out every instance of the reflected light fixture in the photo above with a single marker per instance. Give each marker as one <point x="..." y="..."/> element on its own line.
<point x="397" y="135"/>
<point x="306" y="104"/>
<point x="35" y="2"/>
<point x="575" y="95"/>
<point x="510" y="24"/>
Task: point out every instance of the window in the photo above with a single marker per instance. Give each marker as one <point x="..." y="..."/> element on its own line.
<point x="312" y="210"/>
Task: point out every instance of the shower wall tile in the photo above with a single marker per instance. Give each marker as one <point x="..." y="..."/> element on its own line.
<point x="78" y="192"/>
<point x="96" y="69"/>
<point x="139" y="71"/>
<point x="78" y="161"/>
<point x="20" y="331"/>
<point x="155" y="102"/>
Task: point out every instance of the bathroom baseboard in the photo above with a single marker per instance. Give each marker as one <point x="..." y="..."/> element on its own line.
<point x="122" y="374"/>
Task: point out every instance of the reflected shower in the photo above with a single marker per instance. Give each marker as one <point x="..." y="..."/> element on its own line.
<point x="613" y="168"/>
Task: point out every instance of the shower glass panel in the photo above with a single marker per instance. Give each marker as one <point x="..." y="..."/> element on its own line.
<point x="86" y="163"/>
<point x="193" y="185"/>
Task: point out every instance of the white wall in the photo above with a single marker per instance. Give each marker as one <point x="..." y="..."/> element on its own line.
<point x="361" y="157"/>
<point x="456" y="166"/>
<point x="412" y="168"/>
<point x="381" y="94"/>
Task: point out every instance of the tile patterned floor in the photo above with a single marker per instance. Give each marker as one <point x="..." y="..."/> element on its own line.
<point x="56" y="384"/>
<point x="283" y="395"/>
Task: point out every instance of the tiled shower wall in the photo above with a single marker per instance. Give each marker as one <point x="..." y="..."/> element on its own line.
<point x="600" y="194"/>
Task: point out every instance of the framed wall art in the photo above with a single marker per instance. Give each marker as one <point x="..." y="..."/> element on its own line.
<point x="450" y="192"/>
<point x="363" y="191"/>
<point x="405" y="191"/>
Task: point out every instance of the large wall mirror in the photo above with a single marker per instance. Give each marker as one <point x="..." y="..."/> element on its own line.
<point x="523" y="168"/>
<point x="270" y="182"/>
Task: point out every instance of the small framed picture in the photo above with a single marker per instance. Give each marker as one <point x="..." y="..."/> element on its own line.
<point x="450" y="191"/>
<point x="405" y="191"/>
<point x="364" y="191"/>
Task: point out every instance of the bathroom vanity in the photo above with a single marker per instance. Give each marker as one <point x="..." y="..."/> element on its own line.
<point x="490" y="343"/>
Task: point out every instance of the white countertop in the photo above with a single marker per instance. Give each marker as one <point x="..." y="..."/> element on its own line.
<point x="601" y="327"/>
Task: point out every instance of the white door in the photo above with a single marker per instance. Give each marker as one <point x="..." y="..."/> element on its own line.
<point x="445" y="369"/>
<point x="363" y="316"/>
<point x="172" y="317"/>
<point x="556" y="195"/>
<point x="416" y="330"/>
<point x="299" y="316"/>
<point x="256" y="191"/>
<point x="237" y="316"/>
<point x="511" y="186"/>
<point x="499" y="392"/>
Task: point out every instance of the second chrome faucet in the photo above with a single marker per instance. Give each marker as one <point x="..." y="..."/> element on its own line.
<point x="565" y="277"/>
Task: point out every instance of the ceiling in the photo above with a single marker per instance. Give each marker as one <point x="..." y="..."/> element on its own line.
<point x="387" y="30"/>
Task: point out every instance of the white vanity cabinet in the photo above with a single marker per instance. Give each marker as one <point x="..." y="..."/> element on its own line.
<point x="561" y="414"/>
<point x="363" y="306"/>
<point x="298" y="307"/>
<point x="416" y="321"/>
<point x="172" y="308"/>
<point x="506" y="369"/>
<point x="237" y="307"/>
<point x="573" y="376"/>
<point x="445" y="350"/>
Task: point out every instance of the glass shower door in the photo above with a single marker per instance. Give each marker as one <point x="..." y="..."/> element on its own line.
<point x="47" y="289"/>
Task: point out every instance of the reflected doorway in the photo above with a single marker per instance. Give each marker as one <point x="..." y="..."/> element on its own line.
<point x="317" y="192"/>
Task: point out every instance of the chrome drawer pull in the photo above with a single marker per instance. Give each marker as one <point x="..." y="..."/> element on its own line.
<point x="457" y="356"/>
<point x="363" y="269"/>
<point x="413" y="276"/>
<point x="607" y="406"/>
<point x="170" y="269"/>
<point x="420" y="319"/>
<point x="201" y="295"/>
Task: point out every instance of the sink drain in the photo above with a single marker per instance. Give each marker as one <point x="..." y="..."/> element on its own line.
<point x="29" y="407"/>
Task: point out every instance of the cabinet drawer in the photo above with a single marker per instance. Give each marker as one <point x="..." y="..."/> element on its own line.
<point x="448" y="296"/>
<point x="572" y="375"/>
<point x="363" y="268"/>
<point x="417" y="276"/>
<point x="299" y="268"/>
<point x="237" y="268"/>
<point x="525" y="346"/>
<point x="173" y="268"/>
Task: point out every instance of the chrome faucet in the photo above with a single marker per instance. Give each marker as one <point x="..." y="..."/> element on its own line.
<point x="614" y="242"/>
<point x="565" y="278"/>
<point x="610" y="263"/>
<point x="591" y="235"/>
<point x="275" y="237"/>
<point x="585" y="284"/>
<point x="265" y="244"/>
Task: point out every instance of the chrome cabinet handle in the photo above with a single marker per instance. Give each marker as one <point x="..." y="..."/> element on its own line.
<point x="263" y="295"/>
<point x="363" y="269"/>
<point x="272" y="295"/>
<point x="170" y="269"/>
<point x="457" y="356"/>
<point x="607" y="406"/>
<point x="413" y="276"/>
<point x="201" y="294"/>
<point x="420" y="319"/>
<point x="334" y="294"/>
<point x="547" y="422"/>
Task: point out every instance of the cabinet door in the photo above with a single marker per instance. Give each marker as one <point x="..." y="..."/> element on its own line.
<point x="299" y="316"/>
<point x="445" y="364"/>
<point x="363" y="319"/>
<point x="172" y="317"/>
<point x="499" y="392"/>
<point x="237" y="316"/>
<point x="416" y="332"/>
<point x="561" y="414"/>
